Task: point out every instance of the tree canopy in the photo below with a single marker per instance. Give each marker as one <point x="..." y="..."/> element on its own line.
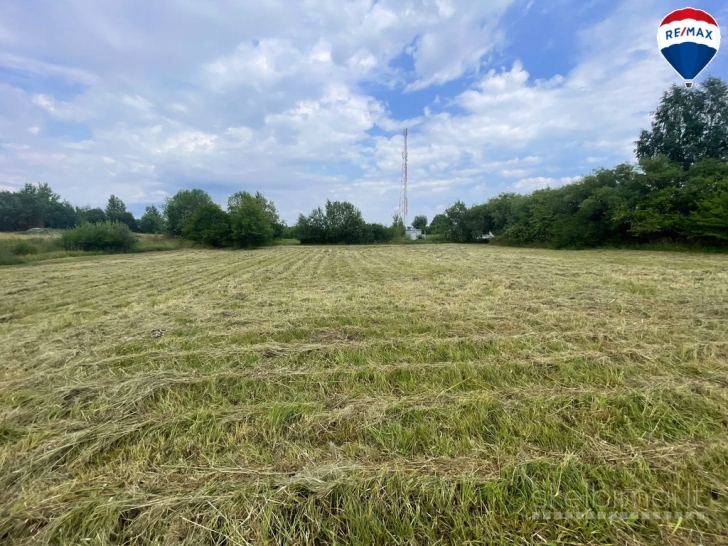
<point x="252" y="219"/>
<point x="420" y="222"/>
<point x="339" y="222"/>
<point x="688" y="125"/>
<point x="35" y="206"/>
<point x="209" y="225"/>
<point x="178" y="209"/>
<point x="151" y="221"/>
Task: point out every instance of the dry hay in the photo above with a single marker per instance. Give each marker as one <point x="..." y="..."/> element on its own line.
<point x="411" y="395"/>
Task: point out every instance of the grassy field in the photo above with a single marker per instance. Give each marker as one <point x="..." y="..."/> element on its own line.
<point x="433" y="394"/>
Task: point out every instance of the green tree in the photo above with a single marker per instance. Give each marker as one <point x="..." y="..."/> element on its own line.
<point x="11" y="213"/>
<point x="270" y="211"/>
<point x="116" y="212"/>
<point x="710" y="220"/>
<point x="339" y="222"/>
<point x="268" y="207"/>
<point x="114" y="207"/>
<point x="397" y="229"/>
<point x="344" y="222"/>
<point x="457" y="225"/>
<point x="439" y="225"/>
<point x="689" y="125"/>
<point x="178" y="210"/>
<point x="38" y="201"/>
<point x="151" y="221"/>
<point x="209" y="225"/>
<point x="251" y="223"/>
<point x="420" y="222"/>
<point x="375" y="233"/>
<point x="312" y="229"/>
<point x="478" y="222"/>
<point x="95" y="216"/>
<point x="35" y="206"/>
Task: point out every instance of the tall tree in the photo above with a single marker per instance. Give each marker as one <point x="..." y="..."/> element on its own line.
<point x="115" y="207"/>
<point x="420" y="222"/>
<point x="179" y="209"/>
<point x="312" y="229"/>
<point x="689" y="124"/>
<point x="344" y="222"/>
<point x="270" y="211"/>
<point x="457" y="226"/>
<point x="116" y="212"/>
<point x="151" y="221"/>
<point x="34" y="206"/>
<point x="251" y="224"/>
<point x="439" y="224"/>
<point x="397" y="229"/>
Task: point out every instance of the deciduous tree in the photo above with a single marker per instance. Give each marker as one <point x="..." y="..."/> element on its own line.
<point x="178" y="210"/>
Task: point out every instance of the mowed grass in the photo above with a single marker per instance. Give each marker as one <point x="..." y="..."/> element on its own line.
<point x="434" y="394"/>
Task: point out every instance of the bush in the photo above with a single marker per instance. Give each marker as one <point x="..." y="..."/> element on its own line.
<point x="105" y="237"/>
<point x="23" y="248"/>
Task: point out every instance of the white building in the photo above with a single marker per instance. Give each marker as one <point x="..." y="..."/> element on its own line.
<point x="412" y="233"/>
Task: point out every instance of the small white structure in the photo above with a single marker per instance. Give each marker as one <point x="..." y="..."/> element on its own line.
<point x="487" y="237"/>
<point x="413" y="233"/>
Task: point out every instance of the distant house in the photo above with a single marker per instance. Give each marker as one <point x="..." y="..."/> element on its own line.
<point x="413" y="233"/>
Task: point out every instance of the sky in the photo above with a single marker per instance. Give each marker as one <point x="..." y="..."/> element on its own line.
<point x="306" y="101"/>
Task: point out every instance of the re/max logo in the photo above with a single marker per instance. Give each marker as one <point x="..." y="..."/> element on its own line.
<point x="688" y="31"/>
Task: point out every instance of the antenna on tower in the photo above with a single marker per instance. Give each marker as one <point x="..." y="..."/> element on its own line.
<point x="403" y="191"/>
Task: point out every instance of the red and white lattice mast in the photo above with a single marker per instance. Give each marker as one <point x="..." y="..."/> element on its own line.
<point x="403" y="190"/>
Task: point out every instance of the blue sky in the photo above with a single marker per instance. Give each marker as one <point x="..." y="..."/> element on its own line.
<point x="141" y="99"/>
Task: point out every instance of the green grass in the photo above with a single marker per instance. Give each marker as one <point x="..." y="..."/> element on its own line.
<point x="439" y="394"/>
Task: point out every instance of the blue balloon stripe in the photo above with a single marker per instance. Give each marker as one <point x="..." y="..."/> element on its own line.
<point x="688" y="58"/>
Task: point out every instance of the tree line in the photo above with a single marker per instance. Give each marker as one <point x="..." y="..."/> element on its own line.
<point x="656" y="202"/>
<point x="677" y="192"/>
<point x="249" y="220"/>
<point x="38" y="206"/>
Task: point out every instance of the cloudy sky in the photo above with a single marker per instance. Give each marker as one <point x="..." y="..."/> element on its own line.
<point x="306" y="100"/>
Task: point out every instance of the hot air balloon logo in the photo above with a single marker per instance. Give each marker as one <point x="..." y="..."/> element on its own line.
<point x="689" y="39"/>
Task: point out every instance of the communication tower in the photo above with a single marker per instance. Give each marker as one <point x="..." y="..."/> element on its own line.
<point x="403" y="190"/>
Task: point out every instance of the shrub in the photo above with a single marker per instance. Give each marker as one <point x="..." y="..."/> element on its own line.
<point x="105" y="237"/>
<point x="209" y="225"/>
<point x="23" y="248"/>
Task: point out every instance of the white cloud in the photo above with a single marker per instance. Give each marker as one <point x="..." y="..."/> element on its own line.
<point x="137" y="102"/>
<point x="540" y="182"/>
<point x="281" y="101"/>
<point x="34" y="66"/>
<point x="16" y="147"/>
